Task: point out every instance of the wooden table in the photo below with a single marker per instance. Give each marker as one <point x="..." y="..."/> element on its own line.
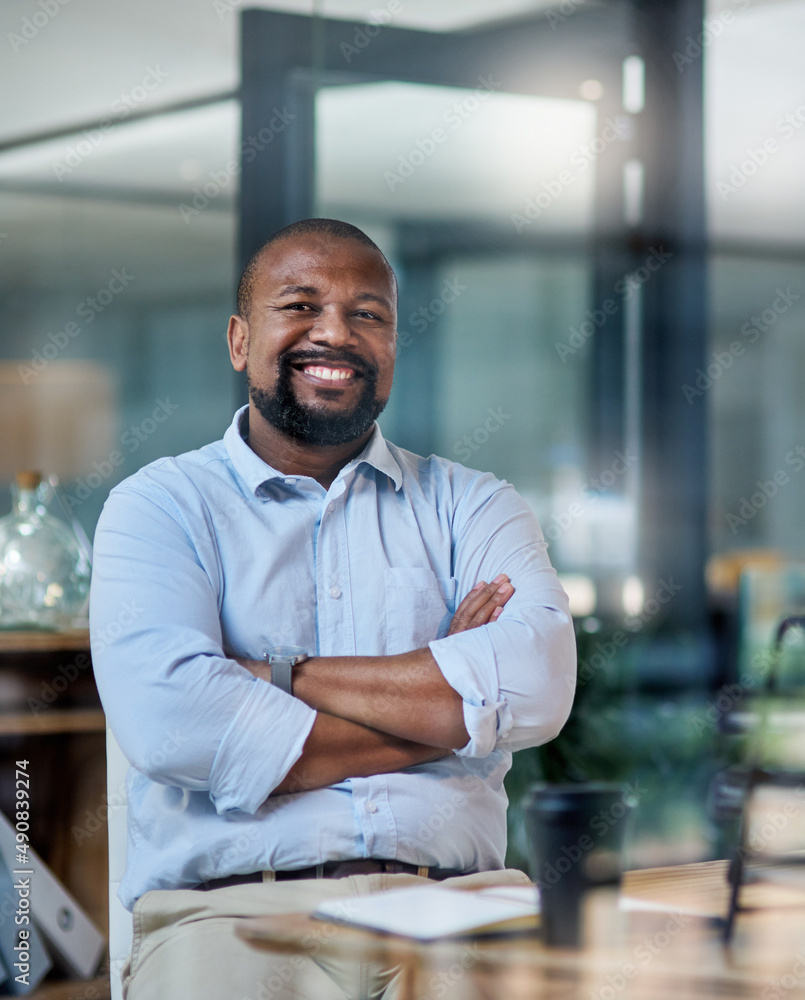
<point x="662" y="943"/>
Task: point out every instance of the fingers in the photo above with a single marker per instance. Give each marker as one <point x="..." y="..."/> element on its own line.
<point x="483" y="604"/>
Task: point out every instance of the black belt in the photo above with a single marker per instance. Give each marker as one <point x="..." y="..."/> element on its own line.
<point x="337" y="869"/>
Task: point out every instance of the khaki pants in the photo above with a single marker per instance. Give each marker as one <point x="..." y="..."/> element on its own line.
<point x="185" y="947"/>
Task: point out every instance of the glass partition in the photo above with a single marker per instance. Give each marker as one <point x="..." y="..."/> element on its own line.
<point x="752" y="383"/>
<point x="116" y="286"/>
<point x="486" y="312"/>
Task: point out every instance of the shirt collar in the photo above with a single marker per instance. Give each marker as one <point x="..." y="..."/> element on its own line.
<point x="378" y="454"/>
<point x="254" y="471"/>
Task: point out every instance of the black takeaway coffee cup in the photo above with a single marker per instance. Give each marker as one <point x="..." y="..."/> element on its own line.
<point x="575" y="836"/>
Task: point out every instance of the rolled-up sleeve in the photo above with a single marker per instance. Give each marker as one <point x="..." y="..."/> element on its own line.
<point x="183" y="712"/>
<point x="516" y="675"/>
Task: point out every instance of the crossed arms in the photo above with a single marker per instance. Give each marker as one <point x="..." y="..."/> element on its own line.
<point x="381" y="714"/>
<point x="496" y="681"/>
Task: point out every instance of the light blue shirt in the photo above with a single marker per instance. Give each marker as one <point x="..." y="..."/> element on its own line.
<point x="215" y="553"/>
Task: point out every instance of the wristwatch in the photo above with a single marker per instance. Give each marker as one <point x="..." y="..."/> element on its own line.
<point x="282" y="660"/>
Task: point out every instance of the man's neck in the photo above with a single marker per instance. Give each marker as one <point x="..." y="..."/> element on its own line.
<point x="296" y="458"/>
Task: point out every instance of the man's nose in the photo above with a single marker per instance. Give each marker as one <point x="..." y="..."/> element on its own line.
<point x="331" y="327"/>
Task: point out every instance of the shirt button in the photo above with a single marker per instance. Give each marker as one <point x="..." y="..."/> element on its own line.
<point x="371" y="807"/>
<point x="335" y="591"/>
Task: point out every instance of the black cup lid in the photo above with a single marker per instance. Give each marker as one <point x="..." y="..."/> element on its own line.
<point x="571" y="798"/>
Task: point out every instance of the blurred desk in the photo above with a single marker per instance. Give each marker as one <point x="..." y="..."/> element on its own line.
<point x="665" y="945"/>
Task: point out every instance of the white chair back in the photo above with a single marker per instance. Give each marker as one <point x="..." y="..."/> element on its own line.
<point x="120" y="920"/>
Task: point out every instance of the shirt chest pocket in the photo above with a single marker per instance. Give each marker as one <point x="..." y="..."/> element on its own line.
<point x="419" y="607"/>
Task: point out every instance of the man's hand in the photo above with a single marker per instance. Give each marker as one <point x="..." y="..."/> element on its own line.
<point x="483" y="604"/>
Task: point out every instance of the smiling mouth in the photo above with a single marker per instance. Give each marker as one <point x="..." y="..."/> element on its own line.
<point x="329" y="374"/>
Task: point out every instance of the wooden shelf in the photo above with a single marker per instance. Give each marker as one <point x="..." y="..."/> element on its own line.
<point x="53" y="721"/>
<point x="23" y="641"/>
<point x="50" y="714"/>
<point x="98" y="989"/>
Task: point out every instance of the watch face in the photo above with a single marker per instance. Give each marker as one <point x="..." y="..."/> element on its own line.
<point x="291" y="654"/>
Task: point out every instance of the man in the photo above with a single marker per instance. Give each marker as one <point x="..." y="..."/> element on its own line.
<point x="439" y="638"/>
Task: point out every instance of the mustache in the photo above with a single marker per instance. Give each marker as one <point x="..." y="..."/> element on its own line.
<point x="345" y="358"/>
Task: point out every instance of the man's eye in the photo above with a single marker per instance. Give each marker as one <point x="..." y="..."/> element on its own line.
<point x="299" y="306"/>
<point x="365" y="314"/>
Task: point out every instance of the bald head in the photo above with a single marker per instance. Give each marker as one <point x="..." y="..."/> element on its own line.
<point x="327" y="228"/>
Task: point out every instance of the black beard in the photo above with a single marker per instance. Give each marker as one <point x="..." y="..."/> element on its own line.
<point x="308" y="424"/>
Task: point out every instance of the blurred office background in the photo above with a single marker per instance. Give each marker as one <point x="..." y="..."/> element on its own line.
<point x="596" y="211"/>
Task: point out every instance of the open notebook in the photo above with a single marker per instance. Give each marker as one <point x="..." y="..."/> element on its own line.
<point x="429" y="912"/>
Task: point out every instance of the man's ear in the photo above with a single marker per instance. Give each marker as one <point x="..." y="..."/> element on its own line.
<point x="237" y="336"/>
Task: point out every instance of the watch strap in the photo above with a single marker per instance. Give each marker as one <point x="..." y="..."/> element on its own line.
<point x="282" y="660"/>
<point x="281" y="670"/>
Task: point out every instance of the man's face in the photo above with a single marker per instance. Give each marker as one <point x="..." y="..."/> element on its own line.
<point x="318" y="346"/>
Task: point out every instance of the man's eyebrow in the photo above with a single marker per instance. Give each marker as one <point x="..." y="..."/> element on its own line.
<point x="369" y="297"/>
<point x="311" y="290"/>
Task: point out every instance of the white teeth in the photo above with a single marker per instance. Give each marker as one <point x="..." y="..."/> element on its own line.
<point x="331" y="374"/>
